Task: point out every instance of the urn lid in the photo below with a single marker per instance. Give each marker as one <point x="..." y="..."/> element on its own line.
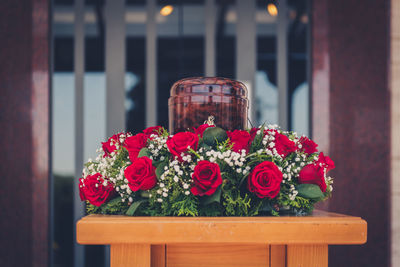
<point x="208" y="86"/>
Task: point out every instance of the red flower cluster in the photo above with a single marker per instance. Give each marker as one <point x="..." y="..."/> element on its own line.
<point x="308" y="146"/>
<point x="109" y="146"/>
<point x="315" y="173"/>
<point x="180" y="142"/>
<point x="141" y="174"/>
<point x="135" y="143"/>
<point x="95" y="189"/>
<point x="284" y="146"/>
<point x="157" y="130"/>
<point x="206" y="178"/>
<point x="240" y="140"/>
<point x="260" y="169"/>
<point x="265" y="180"/>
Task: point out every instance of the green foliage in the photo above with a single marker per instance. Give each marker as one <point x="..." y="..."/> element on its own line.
<point x="216" y="197"/>
<point x="160" y="168"/>
<point x="257" y="142"/>
<point x="144" y="152"/>
<point x="211" y="210"/>
<point x="134" y="206"/>
<point x="185" y="207"/>
<point x="92" y="209"/>
<point x="235" y="204"/>
<point x="310" y="191"/>
<point x="114" y="207"/>
<point x="214" y="135"/>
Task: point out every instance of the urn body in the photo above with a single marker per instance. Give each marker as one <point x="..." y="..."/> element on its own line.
<point x="193" y="100"/>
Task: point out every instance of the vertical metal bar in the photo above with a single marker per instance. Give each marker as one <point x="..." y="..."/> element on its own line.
<point x="79" y="68"/>
<point x="115" y="66"/>
<point x="210" y="27"/>
<point x="308" y="71"/>
<point x="51" y="132"/>
<point x="246" y="47"/>
<point x="282" y="65"/>
<point x="151" y="63"/>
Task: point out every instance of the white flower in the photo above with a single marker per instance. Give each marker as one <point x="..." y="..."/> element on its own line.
<point x="165" y="194"/>
<point x="187" y="193"/>
<point x="176" y="179"/>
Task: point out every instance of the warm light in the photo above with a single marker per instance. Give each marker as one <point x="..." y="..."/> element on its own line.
<point x="167" y="10"/>
<point x="272" y="9"/>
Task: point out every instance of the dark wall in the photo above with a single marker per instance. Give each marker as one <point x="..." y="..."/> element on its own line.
<point x="351" y="117"/>
<point x="24" y="132"/>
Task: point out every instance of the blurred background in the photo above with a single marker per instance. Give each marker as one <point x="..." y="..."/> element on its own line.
<point x="75" y="72"/>
<point x="153" y="44"/>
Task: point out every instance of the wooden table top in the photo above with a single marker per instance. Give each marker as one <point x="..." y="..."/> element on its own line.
<point x="319" y="228"/>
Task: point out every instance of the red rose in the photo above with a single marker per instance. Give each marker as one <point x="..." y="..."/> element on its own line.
<point x="134" y="144"/>
<point x="326" y="162"/>
<point x="265" y="180"/>
<point x="109" y="146"/>
<point x="157" y="130"/>
<point x="313" y="174"/>
<point x="284" y="146"/>
<point x="200" y="130"/>
<point x="240" y="140"/>
<point x="308" y="145"/>
<point x="179" y="143"/>
<point x="141" y="174"/>
<point x="206" y="178"/>
<point x="95" y="189"/>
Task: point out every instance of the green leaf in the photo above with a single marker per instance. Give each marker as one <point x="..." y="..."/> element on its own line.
<point x="243" y="179"/>
<point x="309" y="191"/>
<point x="132" y="209"/>
<point x="144" y="152"/>
<point x="257" y="141"/>
<point x="216" y="197"/>
<point x="214" y="135"/>
<point x="160" y="168"/>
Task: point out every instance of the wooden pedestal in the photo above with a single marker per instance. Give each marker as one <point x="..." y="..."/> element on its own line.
<point x="221" y="241"/>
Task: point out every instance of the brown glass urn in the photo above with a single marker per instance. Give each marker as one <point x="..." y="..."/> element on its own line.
<point x="193" y="100"/>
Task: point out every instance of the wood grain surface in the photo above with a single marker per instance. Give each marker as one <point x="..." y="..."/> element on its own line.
<point x="217" y="255"/>
<point x="307" y="256"/>
<point x="130" y="255"/>
<point x="320" y="228"/>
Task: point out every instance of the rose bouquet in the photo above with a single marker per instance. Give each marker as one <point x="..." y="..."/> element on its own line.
<point x="206" y="172"/>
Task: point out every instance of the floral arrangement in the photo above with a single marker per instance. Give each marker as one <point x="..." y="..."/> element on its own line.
<point x="206" y="172"/>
